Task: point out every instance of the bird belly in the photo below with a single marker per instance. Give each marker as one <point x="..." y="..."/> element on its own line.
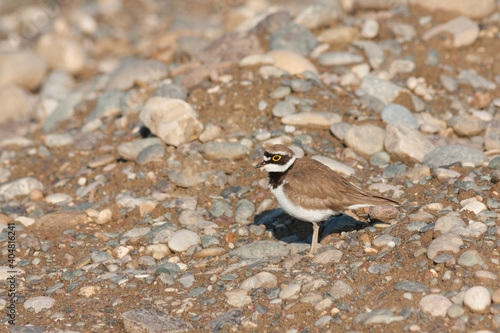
<point x="308" y="215"/>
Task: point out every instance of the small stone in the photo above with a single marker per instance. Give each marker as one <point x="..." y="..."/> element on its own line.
<point x="186" y="177"/>
<point x="465" y="125"/>
<point x="39" y="303"/>
<point x="290" y="291"/>
<point x="370" y="29"/>
<point x="328" y="257"/>
<point x="133" y="70"/>
<point x="151" y="154"/>
<point x="446" y="242"/>
<point x="173" y="120"/>
<point x="24" y="68"/>
<point x="492" y="138"/>
<point x="340" y="289"/>
<point x="282" y="109"/>
<point x="475" y="207"/>
<point x="464" y="31"/>
<point x="365" y="139"/>
<point x="470" y="77"/>
<point x="244" y="210"/>
<point x="182" y="240"/>
<point x="379" y="269"/>
<point x="435" y="305"/>
<point x="477" y="299"/>
<point x="446" y="223"/>
<point x="20" y="187"/>
<point x="379" y="316"/>
<point x="339" y="58"/>
<point x="470" y="258"/>
<point x="293" y="37"/>
<point x="219" y="150"/>
<point x="406" y="143"/>
<point x="313" y="119"/>
<point x="62" y="53"/>
<point x="152" y="320"/>
<point x="455" y="311"/>
<point x="261" y="249"/>
<point x="291" y="62"/>
<point x="411" y="286"/>
<point x="210" y="133"/>
<point x="237" y="298"/>
<point x="470" y="8"/>
<point x="398" y="114"/>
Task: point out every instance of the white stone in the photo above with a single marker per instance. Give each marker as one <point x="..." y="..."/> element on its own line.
<point x="22" y="186"/>
<point x="314" y="119"/>
<point x="62" y="53"/>
<point x="477" y="299"/>
<point x="25" y="69"/>
<point x="290" y="291"/>
<point x="464" y="31"/>
<point x="16" y="103"/>
<point x="172" y="120"/>
<point x="262" y="279"/>
<point x="475" y="206"/>
<point x="435" y="305"/>
<point x="406" y="142"/>
<point x="470" y="8"/>
<point x="182" y="240"/>
<point x="39" y="303"/>
<point x="56" y="198"/>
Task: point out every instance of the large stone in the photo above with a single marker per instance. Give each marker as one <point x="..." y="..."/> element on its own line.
<point x="132" y="70"/>
<point x="314" y="119"/>
<point x="464" y="31"/>
<point x="20" y="187"/>
<point x="172" y="120"/>
<point x="151" y="320"/>
<point x="16" y="103"/>
<point x="62" y="53"/>
<point x="365" y="139"/>
<point x="25" y="69"/>
<point x="406" y="143"/>
<point x="446" y="155"/>
<point x="470" y="8"/>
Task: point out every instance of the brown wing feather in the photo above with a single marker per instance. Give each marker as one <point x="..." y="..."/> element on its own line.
<point x="325" y="189"/>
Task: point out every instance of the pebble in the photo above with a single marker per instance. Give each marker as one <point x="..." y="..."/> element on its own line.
<point x="151" y="153"/>
<point x="470" y="8"/>
<point x="339" y="58"/>
<point x="398" y="114"/>
<point x="455" y="311"/>
<point x="39" y="303"/>
<point x="464" y="31"/>
<point x="293" y="37"/>
<point x="449" y="154"/>
<point x="465" y="125"/>
<point x="62" y="53"/>
<point x="20" y="187"/>
<point x="435" y="305"/>
<point x="173" y="120"/>
<point x="25" y="69"/>
<point x="370" y="29"/>
<point x="470" y="77"/>
<point x="261" y="249"/>
<point x="237" y="298"/>
<point x="407" y="143"/>
<point x="446" y="242"/>
<point x="282" y="109"/>
<point x="374" y="317"/>
<point x="328" y="257"/>
<point x="340" y="289"/>
<point x="130" y="150"/>
<point x="183" y="239"/>
<point x="152" y="320"/>
<point x="245" y="209"/>
<point x="186" y="177"/>
<point x="470" y="258"/>
<point x="492" y="136"/>
<point x="210" y="133"/>
<point x="411" y="286"/>
<point x="291" y="62"/>
<point x="219" y="150"/>
<point x="477" y="299"/>
<point x="446" y="223"/>
<point x="290" y="291"/>
<point x="365" y="139"/>
<point x="132" y="70"/>
<point x="312" y="119"/>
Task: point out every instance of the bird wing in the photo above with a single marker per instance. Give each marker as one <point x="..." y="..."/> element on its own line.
<point x="326" y="190"/>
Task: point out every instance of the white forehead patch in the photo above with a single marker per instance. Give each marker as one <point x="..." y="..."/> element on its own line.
<point x="266" y="158"/>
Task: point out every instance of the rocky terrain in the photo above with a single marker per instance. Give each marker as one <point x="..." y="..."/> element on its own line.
<point x="128" y="134"/>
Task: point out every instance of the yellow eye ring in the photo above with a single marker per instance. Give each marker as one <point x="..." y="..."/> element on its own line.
<point x="276" y="158"/>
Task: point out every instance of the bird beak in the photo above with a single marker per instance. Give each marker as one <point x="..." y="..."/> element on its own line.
<point x="260" y="165"/>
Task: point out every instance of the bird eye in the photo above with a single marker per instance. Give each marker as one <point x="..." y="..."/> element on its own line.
<point x="276" y="158"/>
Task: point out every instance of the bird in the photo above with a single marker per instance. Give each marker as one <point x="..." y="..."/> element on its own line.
<point x="310" y="191"/>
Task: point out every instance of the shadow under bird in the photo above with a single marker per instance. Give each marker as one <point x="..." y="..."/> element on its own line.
<point x="310" y="191"/>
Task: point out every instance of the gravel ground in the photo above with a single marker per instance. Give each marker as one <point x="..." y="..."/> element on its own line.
<point x="128" y="135"/>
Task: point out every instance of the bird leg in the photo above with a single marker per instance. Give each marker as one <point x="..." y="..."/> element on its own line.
<point x="314" y="243"/>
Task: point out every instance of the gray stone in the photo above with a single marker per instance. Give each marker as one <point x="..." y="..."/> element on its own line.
<point x="261" y="249"/>
<point x="244" y="210"/>
<point x="231" y="318"/>
<point x="208" y="241"/>
<point x="382" y="240"/>
<point x="171" y="91"/>
<point x="365" y="139"/>
<point x="100" y="256"/>
<point x="172" y="120"/>
<point x="328" y="257"/>
<point x="190" y="217"/>
<point x="26" y="329"/>
<point x="466" y="125"/>
<point x="340" y="129"/>
<point x="398" y="114"/>
<point x="379" y="269"/>
<point x="476" y="81"/>
<point x="447" y="155"/>
<point x="262" y="279"/>
<point x="384" y="91"/>
<point x="323" y="321"/>
<point x="132" y="70"/>
<point x="380" y="158"/>
<point x="449" y="83"/>
<point x="282" y="109"/>
<point x="64" y="110"/>
<point x="315" y="16"/>
<point x="130" y="150"/>
<point x="219" y="150"/>
<point x="151" y="153"/>
<point x="470" y="258"/>
<point x="152" y="321"/>
<point x="411" y="286"/>
<point x="373" y="51"/>
<point x="221" y="207"/>
<point x="340" y="289"/>
<point x="293" y="37"/>
<point x="378" y="316"/>
<point x="110" y="102"/>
